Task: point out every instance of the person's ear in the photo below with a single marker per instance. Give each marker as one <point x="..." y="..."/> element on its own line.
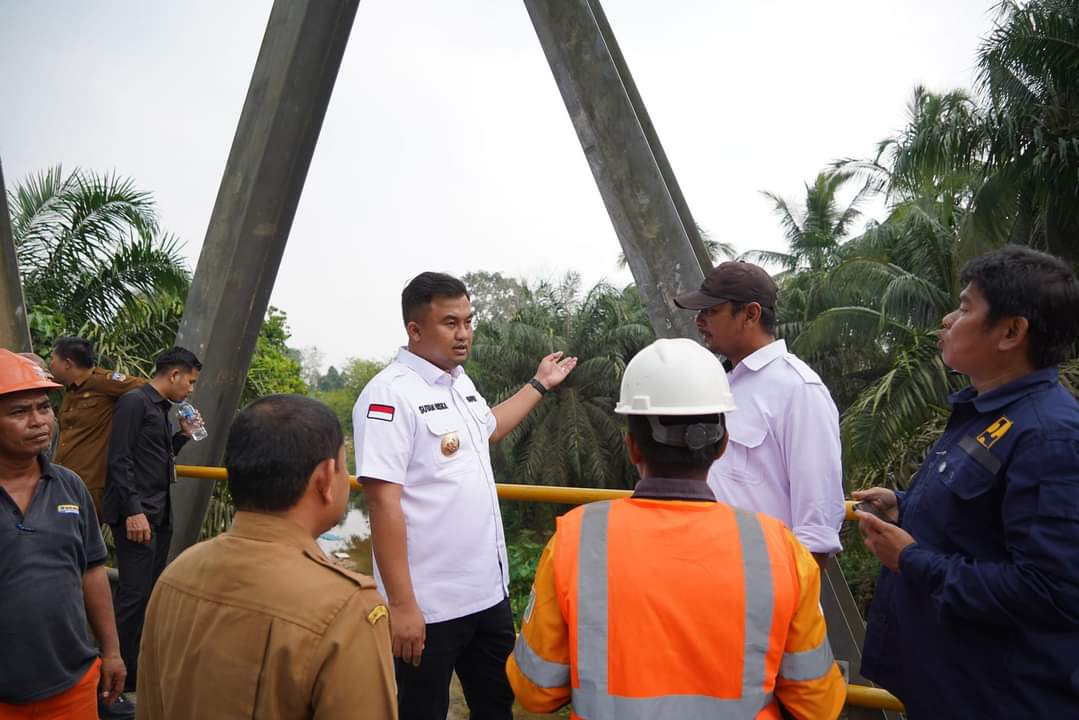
<point x="413" y="329"/>
<point x="753" y="313"/>
<point x="1016" y="333"/>
<point x="634" y="450"/>
<point x="321" y="480"/>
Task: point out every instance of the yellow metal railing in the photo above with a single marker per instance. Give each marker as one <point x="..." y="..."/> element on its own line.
<point x="860" y="695"/>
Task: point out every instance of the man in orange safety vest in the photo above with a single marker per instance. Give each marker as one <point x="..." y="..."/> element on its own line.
<point x="669" y="604"/>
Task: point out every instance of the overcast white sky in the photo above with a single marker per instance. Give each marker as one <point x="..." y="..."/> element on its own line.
<point x="447" y="146"/>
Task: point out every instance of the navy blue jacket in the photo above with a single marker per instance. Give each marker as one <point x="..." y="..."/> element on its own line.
<point x="983" y="619"/>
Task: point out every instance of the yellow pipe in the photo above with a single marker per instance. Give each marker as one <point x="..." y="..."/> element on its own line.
<point x="873" y="697"/>
<point x="860" y="695"/>
<point x="506" y="491"/>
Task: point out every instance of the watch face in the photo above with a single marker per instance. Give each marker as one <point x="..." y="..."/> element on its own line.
<point x="450" y="444"/>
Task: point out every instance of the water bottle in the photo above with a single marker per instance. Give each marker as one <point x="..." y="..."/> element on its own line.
<point x="187" y="411"/>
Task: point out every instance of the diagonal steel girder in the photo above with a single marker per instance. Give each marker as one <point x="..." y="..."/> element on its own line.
<point x="279" y="126"/>
<point x="14" y="330"/>
<point x="650" y="215"/>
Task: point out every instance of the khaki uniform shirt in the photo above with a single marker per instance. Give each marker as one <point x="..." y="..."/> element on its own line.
<point x="85" y="421"/>
<point x="258" y="623"/>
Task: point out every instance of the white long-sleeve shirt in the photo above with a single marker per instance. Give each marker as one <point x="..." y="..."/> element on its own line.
<point x="784" y="455"/>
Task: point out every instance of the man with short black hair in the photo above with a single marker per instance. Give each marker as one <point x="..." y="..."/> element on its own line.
<point x="669" y="604"/>
<point x="90" y="395"/>
<point x="976" y="613"/>
<point x="52" y="568"/>
<point x="141" y="467"/>
<point x="784" y="457"/>
<point x="422" y="434"/>
<point x="257" y="622"/>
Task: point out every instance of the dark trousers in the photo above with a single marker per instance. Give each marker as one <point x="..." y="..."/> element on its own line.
<point x="476" y="646"/>
<point x="139" y="566"/>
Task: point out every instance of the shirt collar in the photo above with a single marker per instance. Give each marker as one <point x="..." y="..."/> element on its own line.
<point x="81" y="379"/>
<point x="47" y="469"/>
<point x="427" y="370"/>
<point x="659" y="488"/>
<point x="271" y="528"/>
<point x="768" y="353"/>
<point x="1006" y="394"/>
<point x="155" y="397"/>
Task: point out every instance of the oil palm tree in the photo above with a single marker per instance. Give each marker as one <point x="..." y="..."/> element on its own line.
<point x="573" y="437"/>
<point x="94" y="262"/>
<point x="1027" y="74"/>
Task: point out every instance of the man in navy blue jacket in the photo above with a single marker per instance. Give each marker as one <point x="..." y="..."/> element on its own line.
<point x="976" y="613"/>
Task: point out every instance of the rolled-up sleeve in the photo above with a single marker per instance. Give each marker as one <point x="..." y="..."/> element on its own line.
<point x="814" y="465"/>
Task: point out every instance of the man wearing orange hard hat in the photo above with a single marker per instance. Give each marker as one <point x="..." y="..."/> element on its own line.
<point x="52" y="567"/>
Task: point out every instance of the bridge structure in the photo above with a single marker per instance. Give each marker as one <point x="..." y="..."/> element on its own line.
<point x="278" y="129"/>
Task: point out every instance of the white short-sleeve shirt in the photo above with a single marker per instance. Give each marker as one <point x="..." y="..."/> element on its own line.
<point x="784" y="454"/>
<point x="428" y="430"/>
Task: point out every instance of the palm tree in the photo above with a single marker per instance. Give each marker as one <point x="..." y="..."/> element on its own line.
<point x="573" y="437"/>
<point x="95" y="263"/>
<point x="1027" y="73"/>
<point x="814" y="235"/>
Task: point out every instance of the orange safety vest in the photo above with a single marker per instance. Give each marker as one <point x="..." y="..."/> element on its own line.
<point x="680" y="610"/>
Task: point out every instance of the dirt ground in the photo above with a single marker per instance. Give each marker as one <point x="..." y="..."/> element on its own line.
<point x="459" y="709"/>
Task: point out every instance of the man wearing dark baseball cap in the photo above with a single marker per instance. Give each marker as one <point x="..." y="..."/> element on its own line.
<point x="784" y="453"/>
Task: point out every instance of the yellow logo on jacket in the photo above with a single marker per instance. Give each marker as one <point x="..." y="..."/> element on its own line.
<point x="995" y="432"/>
<point x="67" y="509"/>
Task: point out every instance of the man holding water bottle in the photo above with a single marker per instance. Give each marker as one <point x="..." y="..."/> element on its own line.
<point x="141" y="467"/>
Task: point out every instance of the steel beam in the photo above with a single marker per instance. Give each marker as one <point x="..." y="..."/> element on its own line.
<point x="286" y="102"/>
<point x="14" y="330"/>
<point x="664" y="165"/>
<point x="623" y="164"/>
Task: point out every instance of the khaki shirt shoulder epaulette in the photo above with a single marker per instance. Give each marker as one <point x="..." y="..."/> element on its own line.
<point x="85" y="422"/>
<point x="259" y="623"/>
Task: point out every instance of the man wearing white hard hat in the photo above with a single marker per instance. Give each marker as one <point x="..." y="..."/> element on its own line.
<point x="669" y="603"/>
<point x="52" y="568"/>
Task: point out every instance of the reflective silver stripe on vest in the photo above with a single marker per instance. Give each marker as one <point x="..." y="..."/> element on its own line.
<point x="592" y="699"/>
<point x="542" y="673"/>
<point x="809" y="664"/>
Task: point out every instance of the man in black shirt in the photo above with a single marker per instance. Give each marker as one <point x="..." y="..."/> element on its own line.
<point x="141" y="466"/>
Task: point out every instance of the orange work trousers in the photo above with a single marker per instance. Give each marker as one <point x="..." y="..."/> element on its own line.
<point x="76" y="703"/>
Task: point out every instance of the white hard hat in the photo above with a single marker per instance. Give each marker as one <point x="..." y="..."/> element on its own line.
<point x="674" y="377"/>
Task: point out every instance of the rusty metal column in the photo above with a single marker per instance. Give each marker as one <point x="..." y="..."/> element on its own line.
<point x="290" y="89"/>
<point x="14" y="331"/>
<point x="645" y="218"/>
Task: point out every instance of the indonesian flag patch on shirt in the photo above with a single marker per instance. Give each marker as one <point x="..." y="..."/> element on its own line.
<point x="380" y="412"/>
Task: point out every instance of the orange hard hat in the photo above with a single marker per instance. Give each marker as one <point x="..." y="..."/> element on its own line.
<point x="18" y="374"/>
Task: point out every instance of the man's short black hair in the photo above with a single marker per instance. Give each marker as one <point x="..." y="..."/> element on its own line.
<point x="669" y="461"/>
<point x="1017" y="281"/>
<point x="176" y="357"/>
<point x="274" y="445"/>
<point x="423" y="288"/>
<point x="76" y="349"/>
<point x="768" y="316"/>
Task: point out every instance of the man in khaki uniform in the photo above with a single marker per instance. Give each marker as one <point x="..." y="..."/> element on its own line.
<point x="86" y="411"/>
<point x="258" y="623"/>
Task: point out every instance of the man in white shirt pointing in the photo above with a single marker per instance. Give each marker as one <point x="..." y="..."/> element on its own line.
<point x="422" y="434"/>
<point x="784" y="456"/>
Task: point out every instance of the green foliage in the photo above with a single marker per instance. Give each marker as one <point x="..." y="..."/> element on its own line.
<point x="273" y="368"/>
<point x="524" y="553"/>
<point x="95" y="263"/>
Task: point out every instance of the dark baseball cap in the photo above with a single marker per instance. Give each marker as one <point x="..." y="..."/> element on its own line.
<point x="731" y="281"/>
